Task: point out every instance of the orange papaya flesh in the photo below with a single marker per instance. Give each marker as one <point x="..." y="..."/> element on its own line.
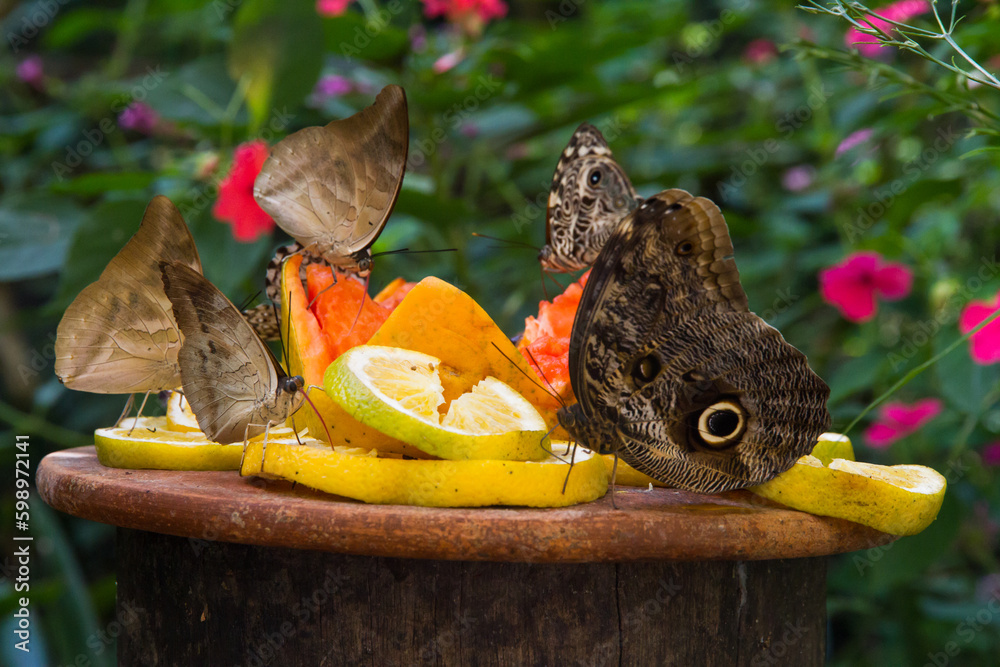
<point x="309" y="353"/>
<point x="439" y="319"/>
<point x="347" y="315"/>
<point x="545" y="343"/>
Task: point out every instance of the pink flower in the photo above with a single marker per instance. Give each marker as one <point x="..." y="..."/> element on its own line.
<point x="333" y="85"/>
<point x="853" y="139"/>
<point x="331" y="7"/>
<point x="897" y="11"/>
<point x="991" y="454"/>
<point x="472" y="15"/>
<point x="139" y="117"/>
<point x="760" y="51"/>
<point x="897" y="420"/>
<point x="985" y="343"/>
<point x="796" y="179"/>
<point x="31" y="71"/>
<point x="236" y="204"/>
<point x="852" y="285"/>
<point x="448" y="61"/>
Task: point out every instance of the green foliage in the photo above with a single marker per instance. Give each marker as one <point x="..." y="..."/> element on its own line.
<point x="683" y="103"/>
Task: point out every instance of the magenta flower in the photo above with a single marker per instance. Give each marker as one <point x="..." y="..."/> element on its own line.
<point x="333" y="85"/>
<point x="760" y="52"/>
<point x="331" y="7"/>
<point x="31" y="71"/>
<point x="139" y="117"/>
<point x="897" y="420"/>
<point x="985" y="343"/>
<point x="448" y="61"/>
<point x="798" y="178"/>
<point x="854" y="285"/>
<point x="991" y="454"/>
<point x="897" y="11"/>
<point x="853" y="139"/>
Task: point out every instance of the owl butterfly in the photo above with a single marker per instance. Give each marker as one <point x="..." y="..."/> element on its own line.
<point x="590" y="195"/>
<point x="119" y="335"/>
<point x="333" y="188"/>
<point x="671" y="369"/>
<point x="233" y="383"/>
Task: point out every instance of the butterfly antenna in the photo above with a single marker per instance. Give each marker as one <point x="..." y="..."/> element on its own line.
<point x="542" y="373"/>
<point x="407" y="251"/>
<point x="281" y="334"/>
<point x="549" y="450"/>
<point x="534" y="381"/>
<point x="139" y="414"/>
<point x="305" y="393"/>
<point x="247" y="302"/>
<point x="509" y="242"/>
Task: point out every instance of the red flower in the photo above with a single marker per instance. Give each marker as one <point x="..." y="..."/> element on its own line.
<point x="470" y="14"/>
<point x="897" y="420"/>
<point x="331" y="7"/>
<point x="760" y="52"/>
<point x="985" y="343"/>
<point x="853" y="284"/>
<point x="236" y="204"/>
<point x="897" y="11"/>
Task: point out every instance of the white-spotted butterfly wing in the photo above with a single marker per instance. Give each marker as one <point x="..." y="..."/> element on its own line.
<point x="590" y="195"/>
<point x="671" y="369"/>
<point x="119" y="335"/>
<point x="235" y="386"/>
<point x="332" y="188"/>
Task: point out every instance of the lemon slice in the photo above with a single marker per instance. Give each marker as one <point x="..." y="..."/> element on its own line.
<point x="180" y="416"/>
<point x="899" y="500"/>
<point x="399" y="393"/>
<point x="152" y="445"/>
<point x="356" y="474"/>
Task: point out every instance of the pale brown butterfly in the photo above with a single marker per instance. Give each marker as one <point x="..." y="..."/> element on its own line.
<point x="590" y="195"/>
<point x="671" y="369"/>
<point x="119" y="335"/>
<point x="233" y="383"/>
<point x="333" y="188"/>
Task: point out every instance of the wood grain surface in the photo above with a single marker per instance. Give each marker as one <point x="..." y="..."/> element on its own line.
<point x="649" y="525"/>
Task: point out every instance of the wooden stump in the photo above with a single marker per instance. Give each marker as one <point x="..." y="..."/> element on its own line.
<point x="214" y="603"/>
<point x="215" y="569"/>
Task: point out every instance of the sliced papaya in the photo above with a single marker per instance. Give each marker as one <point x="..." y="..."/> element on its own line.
<point x="439" y="319"/>
<point x="309" y="354"/>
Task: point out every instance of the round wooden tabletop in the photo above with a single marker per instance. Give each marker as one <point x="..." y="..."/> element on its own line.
<point x="658" y="524"/>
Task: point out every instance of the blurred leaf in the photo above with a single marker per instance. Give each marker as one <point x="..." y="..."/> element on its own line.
<point x="74" y="25"/>
<point x="277" y="49"/>
<point x="98" y="183"/>
<point x="35" y="232"/>
<point x="352" y="35"/>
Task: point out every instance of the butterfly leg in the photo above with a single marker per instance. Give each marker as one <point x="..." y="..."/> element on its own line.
<point x="139" y="414"/>
<point x="128" y="407"/>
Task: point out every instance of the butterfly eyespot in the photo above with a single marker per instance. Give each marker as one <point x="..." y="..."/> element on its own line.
<point x="594" y="177"/>
<point x="684" y="248"/>
<point x="646" y="369"/>
<point x="722" y="424"/>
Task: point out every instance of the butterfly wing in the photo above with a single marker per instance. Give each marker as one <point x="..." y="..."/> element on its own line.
<point x="332" y="188"/>
<point x="119" y="335"/>
<point x="231" y="379"/>
<point x="672" y="368"/>
<point x="590" y="195"/>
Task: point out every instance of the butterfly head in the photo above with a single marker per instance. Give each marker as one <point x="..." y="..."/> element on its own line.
<point x="291" y="384"/>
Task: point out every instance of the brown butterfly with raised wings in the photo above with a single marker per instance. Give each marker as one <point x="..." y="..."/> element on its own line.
<point x="672" y="371"/>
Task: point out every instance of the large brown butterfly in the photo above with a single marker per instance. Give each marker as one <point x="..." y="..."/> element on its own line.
<point x="235" y="386"/>
<point x="119" y="335"/>
<point x="590" y="195"/>
<point x="333" y="188"/>
<point x="671" y="369"/>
